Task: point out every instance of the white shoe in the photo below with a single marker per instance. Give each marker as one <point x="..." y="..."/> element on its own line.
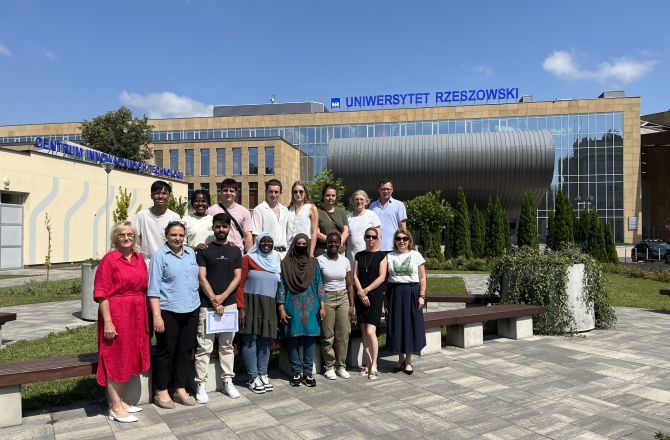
<point x="343" y="373"/>
<point x="133" y="409"/>
<point x="330" y="374"/>
<point x="257" y="386"/>
<point x="230" y="390"/>
<point x="128" y="419"/>
<point x="266" y="383"/>
<point x="201" y="393"/>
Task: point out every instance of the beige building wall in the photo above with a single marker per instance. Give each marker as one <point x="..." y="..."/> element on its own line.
<point x="72" y="193"/>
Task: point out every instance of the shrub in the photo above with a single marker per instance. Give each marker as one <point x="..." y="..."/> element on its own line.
<point x="527" y="231"/>
<point x="461" y="235"/>
<point x="39" y="288"/>
<point x="497" y="229"/>
<point x="477" y="233"/>
<point x="460" y="263"/>
<point x="428" y="214"/>
<point x="531" y="277"/>
<point x="633" y="271"/>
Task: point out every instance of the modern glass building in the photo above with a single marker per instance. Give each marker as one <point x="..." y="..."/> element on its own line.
<point x="596" y="144"/>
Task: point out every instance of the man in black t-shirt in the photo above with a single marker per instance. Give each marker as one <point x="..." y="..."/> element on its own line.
<point x="220" y="272"/>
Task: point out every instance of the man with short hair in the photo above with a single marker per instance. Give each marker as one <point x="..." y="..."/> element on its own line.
<point x="150" y="223"/>
<point x="241" y="224"/>
<point x="391" y="213"/>
<point x="272" y="216"/>
<point x="220" y="273"/>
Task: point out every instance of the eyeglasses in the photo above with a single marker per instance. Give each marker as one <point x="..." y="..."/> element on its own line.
<point x="403" y="239"/>
<point x="298" y="191"/>
<point x="370" y="237"/>
<point x="131" y="235"/>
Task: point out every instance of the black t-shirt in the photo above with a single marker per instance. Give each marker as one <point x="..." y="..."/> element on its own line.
<point x="220" y="260"/>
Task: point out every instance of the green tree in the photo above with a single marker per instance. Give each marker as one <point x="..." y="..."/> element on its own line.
<point x="582" y="227"/>
<point x="563" y="222"/>
<point x="477" y="233"/>
<point x="462" y="244"/>
<point x="495" y="229"/>
<point x="118" y="133"/>
<point x="550" y="240"/>
<point x="595" y="239"/>
<point x="610" y="247"/>
<point x="504" y="224"/>
<point x="428" y="215"/>
<point x="526" y="234"/>
<point x="323" y="178"/>
<point x="120" y="213"/>
<point x="178" y="205"/>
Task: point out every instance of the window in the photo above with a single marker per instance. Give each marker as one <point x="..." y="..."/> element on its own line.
<point x="204" y="162"/>
<point x="174" y="159"/>
<point x="253" y="160"/>
<point x="253" y="194"/>
<point x="220" y="161"/>
<point x="237" y="161"/>
<point x="190" y="190"/>
<point x="205" y="186"/>
<point x="269" y="160"/>
<point x="188" y="162"/>
<point x="158" y="158"/>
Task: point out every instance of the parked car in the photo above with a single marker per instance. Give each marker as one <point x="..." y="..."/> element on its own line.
<point x="651" y="250"/>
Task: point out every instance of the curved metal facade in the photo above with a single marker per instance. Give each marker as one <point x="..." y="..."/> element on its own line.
<point x="506" y="164"/>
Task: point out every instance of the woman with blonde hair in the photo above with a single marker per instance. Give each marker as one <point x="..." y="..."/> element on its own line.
<point x="359" y="220"/>
<point x="120" y="288"/>
<point x="303" y="217"/>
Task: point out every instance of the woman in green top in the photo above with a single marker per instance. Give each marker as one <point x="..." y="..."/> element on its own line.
<point x="331" y="219"/>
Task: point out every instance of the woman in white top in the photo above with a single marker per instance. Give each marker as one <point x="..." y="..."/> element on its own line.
<point x="199" y="224"/>
<point x="303" y="217"/>
<point x="406" y="292"/>
<point x="360" y="220"/>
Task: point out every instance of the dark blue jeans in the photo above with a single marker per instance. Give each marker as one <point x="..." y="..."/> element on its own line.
<point x="307" y="364"/>
<point x="256" y="353"/>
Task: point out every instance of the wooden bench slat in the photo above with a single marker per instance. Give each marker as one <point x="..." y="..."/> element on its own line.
<point x="665" y="292"/>
<point x="16" y="373"/>
<point x="6" y="317"/>
<point x="479" y="314"/>
<point x="467" y="299"/>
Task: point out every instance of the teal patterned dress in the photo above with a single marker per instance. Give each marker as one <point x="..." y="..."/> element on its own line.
<point x="303" y="308"/>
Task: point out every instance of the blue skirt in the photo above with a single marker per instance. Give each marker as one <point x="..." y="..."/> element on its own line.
<point x="405" y="332"/>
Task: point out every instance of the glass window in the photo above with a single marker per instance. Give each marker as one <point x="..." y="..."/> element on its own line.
<point x="204" y="162"/>
<point x="220" y="161"/>
<point x="253" y="160"/>
<point x="237" y="161"/>
<point x="205" y="186"/>
<point x="253" y="194"/>
<point x="190" y="190"/>
<point x="269" y="160"/>
<point x="158" y="158"/>
<point x="174" y="159"/>
<point x="188" y="162"/>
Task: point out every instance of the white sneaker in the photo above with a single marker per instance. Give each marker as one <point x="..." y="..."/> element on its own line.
<point x="201" y="393"/>
<point x="257" y="386"/>
<point x="230" y="390"/>
<point x="343" y="373"/>
<point x="265" y="380"/>
<point x="330" y="374"/>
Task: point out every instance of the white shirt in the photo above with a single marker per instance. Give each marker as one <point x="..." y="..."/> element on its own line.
<point x="199" y="229"/>
<point x="357" y="227"/>
<point x="299" y="222"/>
<point x="150" y="230"/>
<point x="334" y="272"/>
<point x="265" y="219"/>
<point x="404" y="268"/>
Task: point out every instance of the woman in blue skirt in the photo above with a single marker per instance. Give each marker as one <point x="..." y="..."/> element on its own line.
<point x="406" y="292"/>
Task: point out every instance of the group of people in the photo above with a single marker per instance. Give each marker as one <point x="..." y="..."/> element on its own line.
<point x="297" y="273"/>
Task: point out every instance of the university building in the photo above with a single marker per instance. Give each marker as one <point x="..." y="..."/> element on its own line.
<point x="589" y="148"/>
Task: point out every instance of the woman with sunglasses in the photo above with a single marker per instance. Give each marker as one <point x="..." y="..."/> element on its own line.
<point x="369" y="282"/>
<point x="332" y="218"/>
<point x="302" y="216"/>
<point x="175" y="306"/>
<point x="359" y="220"/>
<point x="406" y="291"/>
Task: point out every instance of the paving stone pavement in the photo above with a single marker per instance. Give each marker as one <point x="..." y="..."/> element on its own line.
<point x="605" y="384"/>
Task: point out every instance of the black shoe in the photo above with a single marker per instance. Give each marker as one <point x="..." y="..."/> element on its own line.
<point x="309" y="380"/>
<point x="295" y="380"/>
<point x="399" y="367"/>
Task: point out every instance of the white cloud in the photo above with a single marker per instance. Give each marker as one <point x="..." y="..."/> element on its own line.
<point x="50" y="54"/>
<point x="166" y="105"/>
<point x="483" y="70"/>
<point x="624" y="69"/>
<point x="4" y="50"/>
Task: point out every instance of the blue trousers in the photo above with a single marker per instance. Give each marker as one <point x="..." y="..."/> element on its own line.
<point x="307" y="364"/>
<point x="256" y="354"/>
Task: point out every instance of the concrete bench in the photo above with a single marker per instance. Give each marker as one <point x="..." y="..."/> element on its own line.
<point x="5" y="318"/>
<point x="468" y="300"/>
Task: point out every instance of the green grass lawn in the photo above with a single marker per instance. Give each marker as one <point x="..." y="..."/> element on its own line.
<point x="34" y="292"/>
<point x="452" y="285"/>
<point x="636" y="292"/>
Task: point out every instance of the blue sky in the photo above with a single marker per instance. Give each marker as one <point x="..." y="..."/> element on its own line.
<point x="73" y="60"/>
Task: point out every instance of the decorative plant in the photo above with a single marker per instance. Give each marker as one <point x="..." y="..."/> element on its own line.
<point x="178" y="205"/>
<point x="120" y="213"/>
<point x="47" y="258"/>
<point x="428" y="214"/>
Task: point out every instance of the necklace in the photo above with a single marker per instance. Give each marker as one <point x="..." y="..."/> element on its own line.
<point x="367" y="263"/>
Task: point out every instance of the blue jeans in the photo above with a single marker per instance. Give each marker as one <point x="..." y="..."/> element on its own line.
<point x="307" y="364"/>
<point x="256" y="353"/>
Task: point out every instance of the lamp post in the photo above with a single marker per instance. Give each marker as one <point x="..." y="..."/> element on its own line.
<point x="586" y="204"/>
<point x="108" y="167"/>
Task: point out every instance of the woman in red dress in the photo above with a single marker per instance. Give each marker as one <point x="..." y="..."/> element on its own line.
<point x="123" y="333"/>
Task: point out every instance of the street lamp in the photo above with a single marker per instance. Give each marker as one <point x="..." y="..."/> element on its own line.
<point x="108" y="167"/>
<point x="586" y="203"/>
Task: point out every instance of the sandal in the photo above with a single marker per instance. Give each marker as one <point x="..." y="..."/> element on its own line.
<point x="363" y="372"/>
<point x="373" y="375"/>
<point x="408" y="372"/>
<point x="399" y="367"/>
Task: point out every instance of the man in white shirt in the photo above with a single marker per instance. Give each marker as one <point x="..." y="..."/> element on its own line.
<point x="272" y="216"/>
<point x="150" y="223"/>
<point x="391" y="213"/>
<point x="241" y="224"/>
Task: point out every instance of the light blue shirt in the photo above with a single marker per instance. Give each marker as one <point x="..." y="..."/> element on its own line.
<point x="390" y="216"/>
<point x="174" y="280"/>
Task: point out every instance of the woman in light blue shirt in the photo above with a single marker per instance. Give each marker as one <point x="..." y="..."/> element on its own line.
<point x="175" y="303"/>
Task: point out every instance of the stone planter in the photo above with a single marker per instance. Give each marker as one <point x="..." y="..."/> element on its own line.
<point x="582" y="308"/>
<point x="89" y="308"/>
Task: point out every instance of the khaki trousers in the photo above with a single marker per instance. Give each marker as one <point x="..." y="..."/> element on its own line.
<point x="335" y="330"/>
<point x="206" y="346"/>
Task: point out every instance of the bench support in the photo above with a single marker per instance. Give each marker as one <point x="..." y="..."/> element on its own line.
<point x="285" y="365"/>
<point x="0" y="335"/>
<point x="433" y="341"/>
<point x="466" y="335"/>
<point x="355" y="353"/>
<point x="138" y="389"/>
<point x="516" y="328"/>
<point x="10" y="402"/>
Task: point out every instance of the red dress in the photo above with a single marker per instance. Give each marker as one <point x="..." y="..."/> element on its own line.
<point x="124" y="284"/>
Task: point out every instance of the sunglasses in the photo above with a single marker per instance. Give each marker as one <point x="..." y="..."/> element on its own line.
<point x="298" y="191"/>
<point x="176" y="223"/>
<point x="370" y="237"/>
<point x="403" y="239"/>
